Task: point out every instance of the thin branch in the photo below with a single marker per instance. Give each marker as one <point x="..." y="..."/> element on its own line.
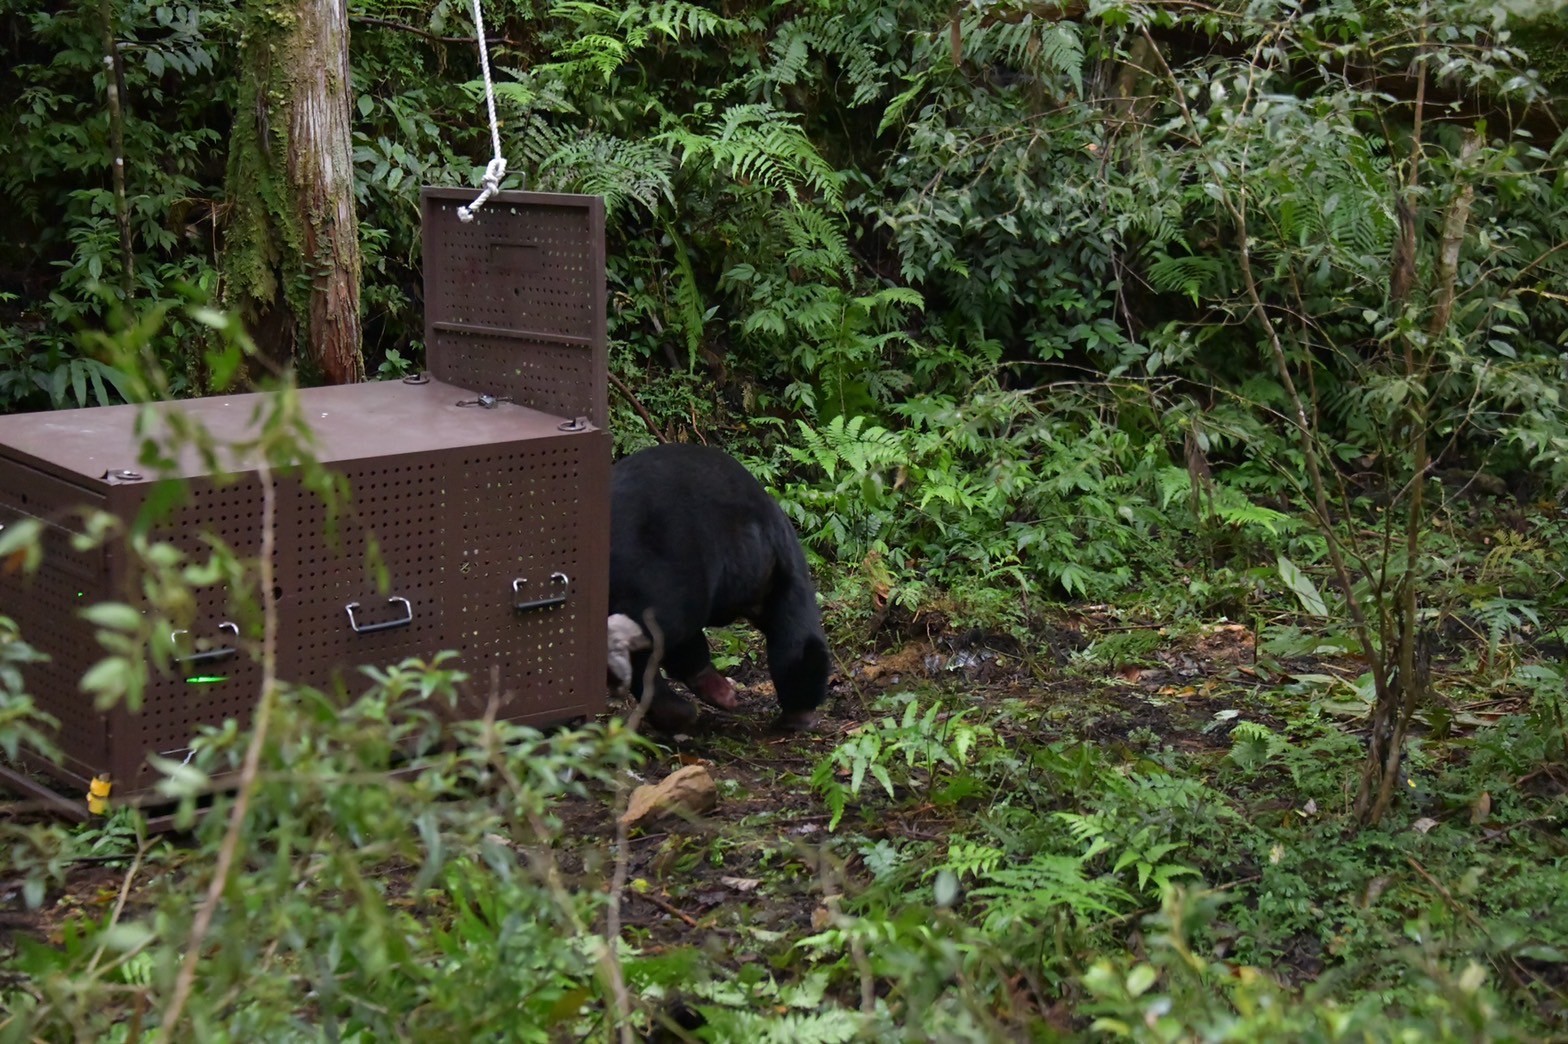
<point x="404" y="27"/>
<point x="642" y="411"/>
<point x="612" y="913"/>
<point x="113" y="78"/>
<point x="667" y="906"/>
<point x="250" y="771"/>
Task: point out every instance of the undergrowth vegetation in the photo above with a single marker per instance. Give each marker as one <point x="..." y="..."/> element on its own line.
<point x="1074" y="339"/>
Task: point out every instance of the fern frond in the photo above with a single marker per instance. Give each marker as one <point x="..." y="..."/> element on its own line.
<point x="969" y="859"/>
<point x="603" y="165"/>
<point x="834" y="1026"/>
<point x="1040" y="48"/>
<point x="688" y="298"/>
<point x="679" y="21"/>
<point x="817" y="243"/>
<point x="756" y="143"/>
<point x="1191" y="275"/>
<point x="1046" y="885"/>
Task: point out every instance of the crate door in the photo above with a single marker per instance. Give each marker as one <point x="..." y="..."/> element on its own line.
<point x="515" y="299"/>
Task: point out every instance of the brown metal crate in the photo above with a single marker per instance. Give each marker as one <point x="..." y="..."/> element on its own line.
<point x="473" y="512"/>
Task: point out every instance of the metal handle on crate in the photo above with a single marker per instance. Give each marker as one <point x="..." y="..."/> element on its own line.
<point x="560" y="580"/>
<point x="207" y="655"/>
<point x="408" y="617"/>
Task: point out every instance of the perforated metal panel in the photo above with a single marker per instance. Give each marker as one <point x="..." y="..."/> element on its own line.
<point x="550" y="492"/>
<point x="45" y="604"/>
<point x="514" y="300"/>
<point x="489" y="526"/>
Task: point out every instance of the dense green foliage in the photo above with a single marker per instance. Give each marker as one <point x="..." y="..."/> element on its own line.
<point x="1001" y="244"/>
<point x="1197" y="310"/>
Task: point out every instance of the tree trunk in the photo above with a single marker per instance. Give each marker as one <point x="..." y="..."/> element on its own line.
<point x="291" y="263"/>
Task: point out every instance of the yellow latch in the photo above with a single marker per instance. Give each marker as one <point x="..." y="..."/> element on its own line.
<point x="98" y="795"/>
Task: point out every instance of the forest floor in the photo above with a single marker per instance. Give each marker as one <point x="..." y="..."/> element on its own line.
<point x="719" y="874"/>
<point x="743" y="883"/>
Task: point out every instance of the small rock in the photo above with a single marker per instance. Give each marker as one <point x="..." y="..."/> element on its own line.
<point x="688" y="790"/>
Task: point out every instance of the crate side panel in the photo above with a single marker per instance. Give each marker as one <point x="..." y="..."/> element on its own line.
<point x="393" y="523"/>
<point x="46" y="606"/>
<point x="526" y="512"/>
<point x="191" y="694"/>
<point x="542" y="373"/>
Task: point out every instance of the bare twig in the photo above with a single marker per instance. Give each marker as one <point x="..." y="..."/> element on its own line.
<point x="832" y="901"/>
<point x="612" y="913"/>
<point x="642" y="411"/>
<point x="113" y="78"/>
<point x="249" y="771"/>
<point x="667" y="907"/>
<point x="120" y="901"/>
<point x="404" y="27"/>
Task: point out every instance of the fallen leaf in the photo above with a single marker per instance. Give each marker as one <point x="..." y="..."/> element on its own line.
<point x="689" y="789"/>
<point x="1481" y="808"/>
<point x="741" y="884"/>
<point x="1423" y="825"/>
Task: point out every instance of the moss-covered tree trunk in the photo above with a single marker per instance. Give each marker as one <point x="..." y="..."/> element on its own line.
<point x="291" y="263"/>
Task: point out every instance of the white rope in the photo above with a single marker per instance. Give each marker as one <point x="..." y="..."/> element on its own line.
<point x="495" y="170"/>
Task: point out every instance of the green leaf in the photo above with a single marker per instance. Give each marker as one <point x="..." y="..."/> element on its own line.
<point x="23" y="537"/>
<point x="108" y="677"/>
<point x="115" y="616"/>
<point x="180" y="779"/>
<point x="945" y="889"/>
<point x="1140" y="979"/>
<point x="1302" y="587"/>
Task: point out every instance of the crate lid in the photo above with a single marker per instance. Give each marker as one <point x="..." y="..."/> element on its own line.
<point x="94" y="446"/>
<point x="515" y="298"/>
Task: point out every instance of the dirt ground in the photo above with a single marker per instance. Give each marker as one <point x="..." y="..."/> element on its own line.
<point x="695" y="879"/>
<point x="714" y="881"/>
<point x="754" y="870"/>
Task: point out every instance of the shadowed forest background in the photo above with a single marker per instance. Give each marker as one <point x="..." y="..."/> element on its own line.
<point x="1170" y="398"/>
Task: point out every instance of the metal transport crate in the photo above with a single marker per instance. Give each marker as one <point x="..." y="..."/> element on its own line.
<point x="480" y="494"/>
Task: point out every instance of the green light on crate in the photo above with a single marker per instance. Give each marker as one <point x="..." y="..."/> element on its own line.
<point x="206" y="679"/>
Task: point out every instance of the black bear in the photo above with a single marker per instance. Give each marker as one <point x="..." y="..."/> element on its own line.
<point x="696" y="538"/>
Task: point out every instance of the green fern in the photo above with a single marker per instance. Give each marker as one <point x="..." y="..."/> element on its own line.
<point x="1036" y="46"/>
<point x="817" y="244"/>
<point x="678" y="21"/>
<point x="969" y="859"/>
<point x="848" y="441"/>
<point x="758" y="144"/>
<point x="688" y="298"/>
<point x="1253" y="745"/>
<point x="834" y="1026"/>
<point x="1043" y="888"/>
<point x="925" y="742"/>
<point x="600" y="39"/>
<point x="836" y="34"/>
<point x="1191" y="275"/>
<point x="621" y="171"/>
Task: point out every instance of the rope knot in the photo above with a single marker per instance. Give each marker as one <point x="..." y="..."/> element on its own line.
<point x="495" y="173"/>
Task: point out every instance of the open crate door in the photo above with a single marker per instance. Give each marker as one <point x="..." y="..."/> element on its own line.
<point x="515" y="299"/>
